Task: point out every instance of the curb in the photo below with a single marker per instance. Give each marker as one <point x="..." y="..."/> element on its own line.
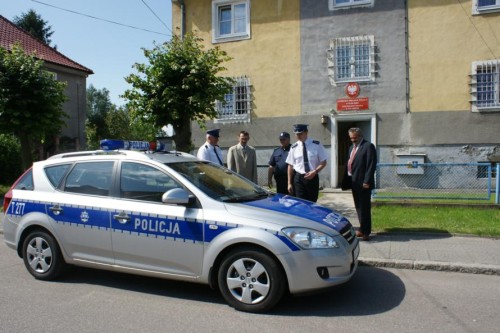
<point x="431" y="266"/>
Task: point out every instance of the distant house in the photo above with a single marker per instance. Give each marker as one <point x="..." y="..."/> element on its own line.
<point x="72" y="136"/>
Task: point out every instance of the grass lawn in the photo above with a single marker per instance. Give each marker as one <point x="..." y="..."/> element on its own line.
<point x="454" y="220"/>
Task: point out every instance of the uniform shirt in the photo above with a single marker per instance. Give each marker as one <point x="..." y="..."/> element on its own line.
<point x="207" y="153"/>
<point x="315" y="152"/>
<point x="278" y="160"/>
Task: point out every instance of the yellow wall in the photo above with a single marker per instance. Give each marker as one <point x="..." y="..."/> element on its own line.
<point x="270" y="58"/>
<point x="444" y="40"/>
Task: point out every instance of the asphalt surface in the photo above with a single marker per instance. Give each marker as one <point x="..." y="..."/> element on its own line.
<point x="421" y="251"/>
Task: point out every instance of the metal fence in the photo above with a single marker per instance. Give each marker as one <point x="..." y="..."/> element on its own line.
<point x="465" y="181"/>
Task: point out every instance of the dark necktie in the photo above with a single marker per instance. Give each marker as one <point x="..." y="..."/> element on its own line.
<point x="306" y="158"/>
<point x="215" y="151"/>
<point x="244" y="150"/>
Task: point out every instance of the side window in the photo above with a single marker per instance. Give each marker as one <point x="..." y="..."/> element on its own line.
<point x="143" y="182"/>
<point x="90" y="178"/>
<point x="56" y="173"/>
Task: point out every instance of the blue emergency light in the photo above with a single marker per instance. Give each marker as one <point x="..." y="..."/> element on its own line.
<point x="108" y="144"/>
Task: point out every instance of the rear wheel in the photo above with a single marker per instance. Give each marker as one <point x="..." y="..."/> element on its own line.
<point x="42" y="256"/>
<point x="251" y="280"/>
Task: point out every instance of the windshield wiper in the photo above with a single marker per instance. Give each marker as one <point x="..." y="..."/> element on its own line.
<point x="253" y="197"/>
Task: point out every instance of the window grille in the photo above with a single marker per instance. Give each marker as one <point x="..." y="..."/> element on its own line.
<point x="351" y="59"/>
<point x="485" y="86"/>
<point x="236" y="106"/>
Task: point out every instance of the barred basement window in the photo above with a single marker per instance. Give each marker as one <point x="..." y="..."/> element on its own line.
<point x="351" y="59"/>
<point x="485" y="86"/>
<point x="236" y="106"/>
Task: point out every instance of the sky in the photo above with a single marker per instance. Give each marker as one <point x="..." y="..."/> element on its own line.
<point x="83" y="33"/>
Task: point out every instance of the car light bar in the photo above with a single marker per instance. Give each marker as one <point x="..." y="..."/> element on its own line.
<point x="108" y="144"/>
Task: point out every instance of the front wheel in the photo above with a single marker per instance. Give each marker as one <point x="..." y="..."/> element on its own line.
<point x="250" y="280"/>
<point x="42" y="256"/>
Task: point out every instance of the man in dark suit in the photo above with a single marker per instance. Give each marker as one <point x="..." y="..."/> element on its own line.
<point x="360" y="177"/>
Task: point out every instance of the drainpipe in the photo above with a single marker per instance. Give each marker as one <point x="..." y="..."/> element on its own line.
<point x="183" y="18"/>
<point x="407" y="57"/>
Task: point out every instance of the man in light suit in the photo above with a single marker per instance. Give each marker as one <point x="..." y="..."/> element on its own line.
<point x="241" y="158"/>
<point x="360" y="177"/>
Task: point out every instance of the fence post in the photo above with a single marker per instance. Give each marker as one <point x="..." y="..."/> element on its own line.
<point x="497" y="189"/>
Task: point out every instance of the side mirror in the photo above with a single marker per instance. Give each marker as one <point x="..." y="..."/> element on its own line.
<point x="177" y="196"/>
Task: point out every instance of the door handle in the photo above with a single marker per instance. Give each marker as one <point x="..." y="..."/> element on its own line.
<point x="56" y="209"/>
<point x="122" y="217"/>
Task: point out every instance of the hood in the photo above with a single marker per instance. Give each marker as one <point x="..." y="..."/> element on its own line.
<point x="294" y="207"/>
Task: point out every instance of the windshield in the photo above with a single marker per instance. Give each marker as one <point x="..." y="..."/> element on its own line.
<point x="219" y="183"/>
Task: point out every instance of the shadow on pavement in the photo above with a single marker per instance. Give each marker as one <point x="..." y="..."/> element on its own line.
<point x="370" y="291"/>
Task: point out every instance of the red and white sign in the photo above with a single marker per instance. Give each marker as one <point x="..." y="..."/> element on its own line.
<point x="352" y="89"/>
<point x="352" y="104"/>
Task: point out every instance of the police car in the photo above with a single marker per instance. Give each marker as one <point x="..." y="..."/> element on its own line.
<point x="170" y="215"/>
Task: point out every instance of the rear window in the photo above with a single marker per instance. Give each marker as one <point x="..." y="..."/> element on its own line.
<point x="25" y="182"/>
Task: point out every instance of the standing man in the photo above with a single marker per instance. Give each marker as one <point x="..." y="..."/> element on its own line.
<point x="360" y="177"/>
<point x="210" y="151"/>
<point x="241" y="158"/>
<point x="306" y="159"/>
<point x="278" y="166"/>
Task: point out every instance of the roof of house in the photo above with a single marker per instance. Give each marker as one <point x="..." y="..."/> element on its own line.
<point x="11" y="34"/>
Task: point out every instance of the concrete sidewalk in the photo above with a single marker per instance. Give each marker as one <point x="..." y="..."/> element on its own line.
<point x="426" y="251"/>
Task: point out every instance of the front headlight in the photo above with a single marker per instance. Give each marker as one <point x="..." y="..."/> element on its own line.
<point x="310" y="239"/>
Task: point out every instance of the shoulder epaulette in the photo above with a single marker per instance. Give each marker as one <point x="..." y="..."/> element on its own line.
<point x="294" y="145"/>
<point x="316" y="142"/>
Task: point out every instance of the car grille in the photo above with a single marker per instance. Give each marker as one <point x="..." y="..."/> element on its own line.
<point x="348" y="233"/>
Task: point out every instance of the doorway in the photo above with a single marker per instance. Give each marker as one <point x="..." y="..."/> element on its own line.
<point x="341" y="142"/>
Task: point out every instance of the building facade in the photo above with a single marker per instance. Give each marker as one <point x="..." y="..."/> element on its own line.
<point x="419" y="77"/>
<point x="72" y="136"/>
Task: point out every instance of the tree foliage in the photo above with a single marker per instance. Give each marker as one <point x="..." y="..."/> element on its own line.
<point x="178" y="85"/>
<point x="31" y="100"/>
<point x="33" y="24"/>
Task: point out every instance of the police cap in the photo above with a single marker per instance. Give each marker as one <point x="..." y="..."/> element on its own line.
<point x="214" y="132"/>
<point x="284" y="135"/>
<point x="299" y="128"/>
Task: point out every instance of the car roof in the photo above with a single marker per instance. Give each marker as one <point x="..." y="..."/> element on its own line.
<point x="162" y="156"/>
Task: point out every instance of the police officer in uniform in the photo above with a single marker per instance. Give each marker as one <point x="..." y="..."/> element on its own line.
<point x="210" y="151"/>
<point x="278" y="166"/>
<point x="307" y="157"/>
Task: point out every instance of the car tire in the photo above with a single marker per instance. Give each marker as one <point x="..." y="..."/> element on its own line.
<point x="251" y="280"/>
<point x="42" y="256"/>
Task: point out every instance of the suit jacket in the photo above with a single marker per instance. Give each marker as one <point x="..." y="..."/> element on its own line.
<point x="243" y="164"/>
<point x="363" y="166"/>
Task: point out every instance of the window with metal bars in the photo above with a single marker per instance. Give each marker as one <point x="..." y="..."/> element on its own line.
<point x="485" y="86"/>
<point x="351" y="59"/>
<point x="236" y="106"/>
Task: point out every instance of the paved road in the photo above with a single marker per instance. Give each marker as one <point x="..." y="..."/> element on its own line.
<point x="375" y="300"/>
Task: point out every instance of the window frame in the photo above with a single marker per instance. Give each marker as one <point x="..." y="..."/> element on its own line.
<point x="475" y="86"/>
<point x="244" y="103"/>
<point x="333" y="5"/>
<point x="478" y="10"/>
<point x="334" y="68"/>
<point x="217" y="37"/>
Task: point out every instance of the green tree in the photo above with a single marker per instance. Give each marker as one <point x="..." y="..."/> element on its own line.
<point x="33" y="23"/>
<point x="178" y="85"/>
<point x="98" y="106"/>
<point x="31" y="101"/>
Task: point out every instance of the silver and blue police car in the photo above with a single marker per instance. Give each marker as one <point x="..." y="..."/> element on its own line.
<point x="170" y="215"/>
